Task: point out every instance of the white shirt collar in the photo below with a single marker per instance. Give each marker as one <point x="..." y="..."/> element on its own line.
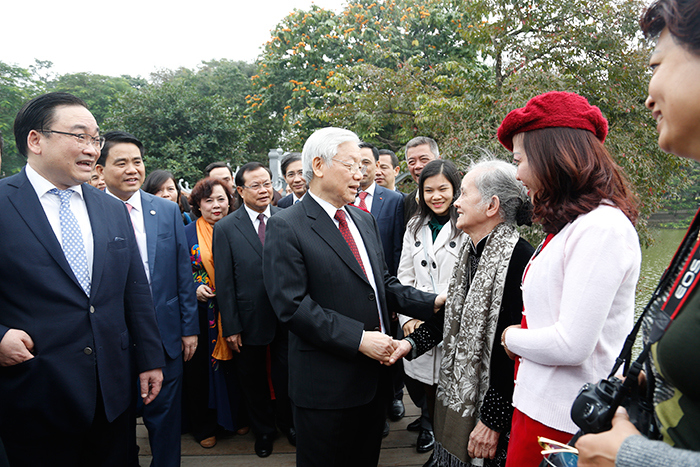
<point x="42" y="185"/>
<point x="134" y="201"/>
<point x="254" y="214"/>
<point x="370" y="189"/>
<point x="328" y="207"/>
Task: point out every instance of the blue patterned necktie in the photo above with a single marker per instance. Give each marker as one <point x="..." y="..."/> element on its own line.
<point x="72" y="240"/>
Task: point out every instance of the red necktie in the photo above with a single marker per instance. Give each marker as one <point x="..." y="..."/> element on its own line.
<point x="345" y="231"/>
<point x="363" y="205"/>
<point x="261" y="228"/>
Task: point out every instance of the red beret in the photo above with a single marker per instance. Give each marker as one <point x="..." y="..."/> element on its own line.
<point x="553" y="109"/>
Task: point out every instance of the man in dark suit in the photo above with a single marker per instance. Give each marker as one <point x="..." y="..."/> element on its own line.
<point x="326" y="278"/>
<point x="419" y="151"/>
<point x="385" y="205"/>
<point x="160" y="235"/>
<point x="294" y="176"/>
<point x="73" y="300"/>
<point x="247" y="318"/>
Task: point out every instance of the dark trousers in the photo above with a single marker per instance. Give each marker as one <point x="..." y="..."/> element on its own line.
<point x="251" y="369"/>
<point x="419" y="395"/>
<point x="163" y="416"/>
<point x="102" y="444"/>
<point x="350" y="437"/>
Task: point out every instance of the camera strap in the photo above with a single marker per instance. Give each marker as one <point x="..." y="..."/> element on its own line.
<point x="669" y="296"/>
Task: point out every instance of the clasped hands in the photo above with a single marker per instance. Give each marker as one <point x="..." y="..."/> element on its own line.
<point x="383" y="348"/>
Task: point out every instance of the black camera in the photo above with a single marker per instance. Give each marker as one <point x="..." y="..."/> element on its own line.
<point x="595" y="405"/>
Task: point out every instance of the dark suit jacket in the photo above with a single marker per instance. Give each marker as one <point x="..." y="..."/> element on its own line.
<point x="318" y="289"/>
<point x="287" y="201"/>
<point x="387" y="209"/>
<point x="240" y="290"/>
<point x="79" y="341"/>
<point x="410" y="206"/>
<point x="171" y="272"/>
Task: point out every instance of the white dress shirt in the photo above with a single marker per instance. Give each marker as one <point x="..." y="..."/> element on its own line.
<point x="370" y="196"/>
<point x="52" y="205"/>
<point x="254" y="216"/>
<point x="139" y="228"/>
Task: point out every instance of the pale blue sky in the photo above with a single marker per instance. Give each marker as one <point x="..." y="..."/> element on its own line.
<point x="137" y="37"/>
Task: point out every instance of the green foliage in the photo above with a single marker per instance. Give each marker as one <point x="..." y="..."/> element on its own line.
<point x="181" y="130"/>
<point x="98" y="91"/>
<point x="17" y="85"/>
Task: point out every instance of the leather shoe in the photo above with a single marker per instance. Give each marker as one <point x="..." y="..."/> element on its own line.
<point x="209" y="442"/>
<point x="426" y="441"/>
<point x="397" y="410"/>
<point x="292" y="436"/>
<point x="385" y="431"/>
<point x="263" y="445"/>
<point x="432" y="462"/>
<point x="414" y="425"/>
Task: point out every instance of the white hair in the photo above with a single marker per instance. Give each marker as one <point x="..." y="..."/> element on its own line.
<point x="497" y="178"/>
<point x="324" y="144"/>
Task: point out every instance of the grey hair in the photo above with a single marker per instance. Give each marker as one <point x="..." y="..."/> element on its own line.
<point x="324" y="144"/>
<point x="497" y="178"/>
<point x="420" y="140"/>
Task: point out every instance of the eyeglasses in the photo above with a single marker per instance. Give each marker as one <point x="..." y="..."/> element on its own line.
<point x="353" y="167"/>
<point x="98" y="142"/>
<point x="567" y="455"/>
<point x="256" y="186"/>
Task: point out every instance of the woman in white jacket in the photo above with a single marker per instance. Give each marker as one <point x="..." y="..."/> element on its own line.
<point x="431" y="246"/>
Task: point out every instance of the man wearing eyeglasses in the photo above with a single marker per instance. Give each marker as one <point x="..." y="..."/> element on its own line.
<point x="160" y="235"/>
<point x="294" y="176"/>
<point x="73" y="300"/>
<point x="248" y="322"/>
<point x="326" y="278"/>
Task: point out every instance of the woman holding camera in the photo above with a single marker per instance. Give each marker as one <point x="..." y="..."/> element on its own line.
<point x="578" y="289"/>
<point x="674" y="100"/>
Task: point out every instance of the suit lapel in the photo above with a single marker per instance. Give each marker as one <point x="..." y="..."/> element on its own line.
<point x="31" y="211"/>
<point x="246" y="228"/>
<point x="377" y="202"/>
<point x="150" y="222"/>
<point x="368" y="238"/>
<point x="324" y="226"/>
<point x="95" y="208"/>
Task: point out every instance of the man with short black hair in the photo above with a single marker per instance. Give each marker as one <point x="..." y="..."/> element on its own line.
<point x="75" y="307"/>
<point x="388" y="169"/>
<point x="248" y="321"/>
<point x="294" y="176"/>
<point x="160" y="235"/>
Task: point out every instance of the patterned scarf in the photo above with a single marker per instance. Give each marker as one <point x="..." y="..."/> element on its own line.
<point x="471" y="315"/>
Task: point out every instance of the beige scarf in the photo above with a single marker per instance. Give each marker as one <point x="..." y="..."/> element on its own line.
<point x="471" y="315"/>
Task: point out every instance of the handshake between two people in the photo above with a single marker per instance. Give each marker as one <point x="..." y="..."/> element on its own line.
<point x="384" y="348"/>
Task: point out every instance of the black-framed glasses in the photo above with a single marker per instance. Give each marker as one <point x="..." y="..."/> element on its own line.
<point x="353" y="167"/>
<point x="256" y="186"/>
<point x="98" y="142"/>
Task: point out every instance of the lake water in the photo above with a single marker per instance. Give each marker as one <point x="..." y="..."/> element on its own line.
<point x="655" y="259"/>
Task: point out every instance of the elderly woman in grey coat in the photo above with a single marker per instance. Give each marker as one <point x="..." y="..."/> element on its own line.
<point x="475" y="386"/>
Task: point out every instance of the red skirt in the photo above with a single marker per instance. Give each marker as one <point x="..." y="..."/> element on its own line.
<point x="523" y="448"/>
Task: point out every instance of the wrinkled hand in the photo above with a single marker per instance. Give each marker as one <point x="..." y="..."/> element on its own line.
<point x="597" y="450"/>
<point x="151" y="382"/>
<point x="235" y="342"/>
<point x="15" y="347"/>
<point x="411" y="326"/>
<point x="204" y="293"/>
<point x="511" y="355"/>
<point x="377" y="345"/>
<point x="439" y="302"/>
<point x="189" y="345"/>
<point x="403" y="348"/>
<point x="482" y="442"/>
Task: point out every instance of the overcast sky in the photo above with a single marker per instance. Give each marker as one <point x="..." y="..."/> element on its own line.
<point x="137" y="37"/>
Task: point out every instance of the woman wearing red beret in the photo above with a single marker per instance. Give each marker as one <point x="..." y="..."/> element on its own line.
<point x="578" y="289"/>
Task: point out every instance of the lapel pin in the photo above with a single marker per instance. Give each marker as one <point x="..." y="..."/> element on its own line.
<point x="153" y="213"/>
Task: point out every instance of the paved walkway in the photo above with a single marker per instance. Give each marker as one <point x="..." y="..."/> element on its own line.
<point x="398" y="449"/>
